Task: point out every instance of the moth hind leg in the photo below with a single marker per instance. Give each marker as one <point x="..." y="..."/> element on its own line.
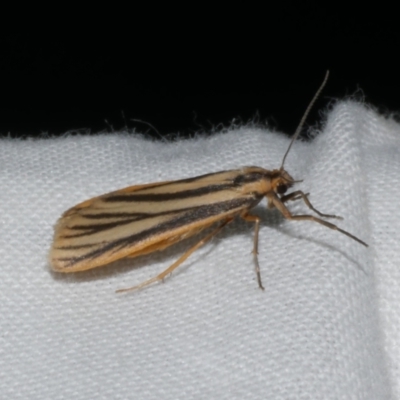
<point x="179" y="261"/>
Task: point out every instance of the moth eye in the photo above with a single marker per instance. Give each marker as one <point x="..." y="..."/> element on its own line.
<point x="282" y="189"/>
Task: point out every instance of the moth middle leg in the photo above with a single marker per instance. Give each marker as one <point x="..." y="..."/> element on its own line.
<point x="253" y="218"/>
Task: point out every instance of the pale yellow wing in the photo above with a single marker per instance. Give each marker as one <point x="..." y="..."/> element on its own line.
<point x="144" y="218"/>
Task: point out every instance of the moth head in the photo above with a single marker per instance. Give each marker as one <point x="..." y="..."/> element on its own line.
<point x="281" y="181"/>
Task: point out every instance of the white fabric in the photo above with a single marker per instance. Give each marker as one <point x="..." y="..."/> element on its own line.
<point x="326" y="326"/>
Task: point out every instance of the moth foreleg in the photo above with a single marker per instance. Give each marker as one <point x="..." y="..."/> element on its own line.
<point x="277" y="202"/>
<point x="298" y="194"/>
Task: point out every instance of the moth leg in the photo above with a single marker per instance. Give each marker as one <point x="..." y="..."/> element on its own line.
<point x="180" y="260"/>
<point x="277" y="202"/>
<point x="293" y="196"/>
<point x="298" y="194"/>
<point x="256" y="220"/>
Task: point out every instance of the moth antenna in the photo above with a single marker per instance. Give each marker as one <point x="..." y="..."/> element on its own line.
<point x="305" y="115"/>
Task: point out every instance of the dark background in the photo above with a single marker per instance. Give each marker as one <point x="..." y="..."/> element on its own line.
<point x="193" y="68"/>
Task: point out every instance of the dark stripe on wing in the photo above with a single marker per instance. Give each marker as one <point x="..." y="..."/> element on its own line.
<point x="160" y="197"/>
<point x="90" y="229"/>
<point x="249" y="177"/>
<point x="186" y="180"/>
<point x="240" y="180"/>
<point x="115" y="214"/>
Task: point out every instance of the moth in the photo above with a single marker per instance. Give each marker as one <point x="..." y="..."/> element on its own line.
<point x="142" y="219"/>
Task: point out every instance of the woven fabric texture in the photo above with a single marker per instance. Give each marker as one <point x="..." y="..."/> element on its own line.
<point x="326" y="326"/>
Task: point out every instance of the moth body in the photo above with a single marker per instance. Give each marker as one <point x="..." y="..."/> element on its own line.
<point x="142" y="219"/>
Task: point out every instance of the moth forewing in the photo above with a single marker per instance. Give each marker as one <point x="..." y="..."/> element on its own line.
<point x="131" y="221"/>
<point x="141" y="219"/>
